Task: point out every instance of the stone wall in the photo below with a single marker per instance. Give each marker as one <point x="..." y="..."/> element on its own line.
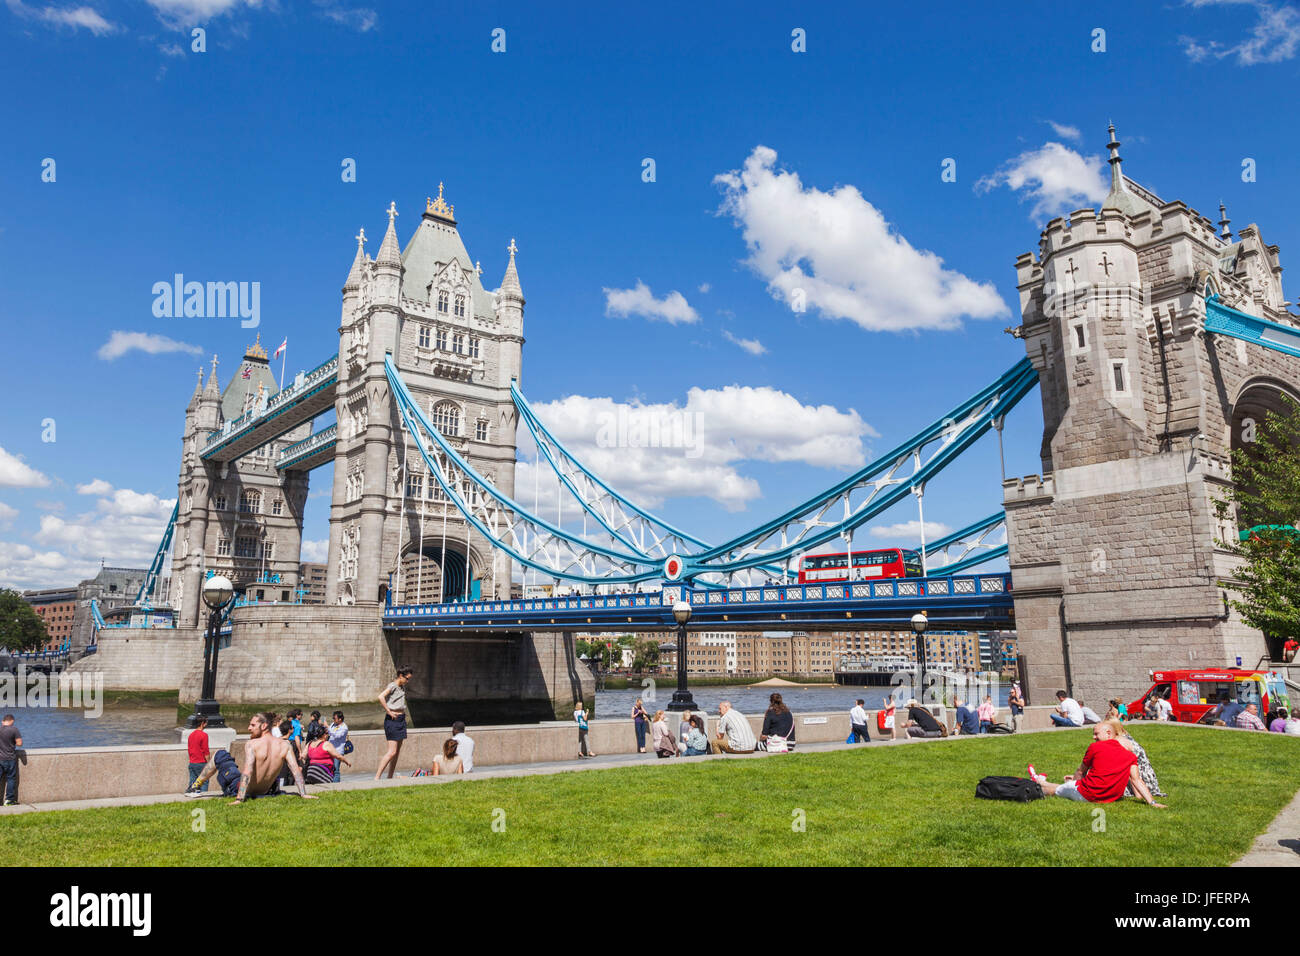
<point x="298" y="654"/>
<point x="143" y="658"/>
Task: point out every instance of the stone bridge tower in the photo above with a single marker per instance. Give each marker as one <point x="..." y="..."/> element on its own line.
<point x="242" y="519"/>
<point x="457" y="346"/>
<point x="1113" y="548"/>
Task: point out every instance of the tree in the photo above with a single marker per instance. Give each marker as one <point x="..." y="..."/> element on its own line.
<point x="21" y="628"/>
<point x="645" y="654"/>
<point x="1266" y="495"/>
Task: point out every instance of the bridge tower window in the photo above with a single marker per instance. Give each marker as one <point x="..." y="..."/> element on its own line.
<point x="250" y="502"/>
<point x="415" y="486"/>
<point x="223" y="547"/>
<point x="480" y="430"/>
<point x="277" y="506"/>
<point x="446" y="418"/>
<point x="458" y="343"/>
<point x="460" y="306"/>
<point x="473" y="346"/>
<point x="442" y="301"/>
<point x="219" y="502"/>
<point x="442" y="340"/>
<point x="424" y="336"/>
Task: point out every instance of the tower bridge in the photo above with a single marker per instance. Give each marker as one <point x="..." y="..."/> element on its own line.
<point x="1152" y="336"/>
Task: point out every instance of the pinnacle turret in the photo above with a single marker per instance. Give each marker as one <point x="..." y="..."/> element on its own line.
<point x="198" y="392"/>
<point x="510" y="283"/>
<point x="358" y="264"/>
<point x="390" y="253"/>
<point x="213" y="388"/>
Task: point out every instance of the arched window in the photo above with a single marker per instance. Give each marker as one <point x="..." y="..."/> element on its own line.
<point x="442" y="301"/>
<point x="250" y="502"/>
<point x="446" y="418"/>
<point x="460" y="306"/>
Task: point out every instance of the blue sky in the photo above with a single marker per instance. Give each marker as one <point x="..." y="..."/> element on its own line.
<point x="225" y="165"/>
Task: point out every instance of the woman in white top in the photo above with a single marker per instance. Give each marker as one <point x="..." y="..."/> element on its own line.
<point x="393" y="700"/>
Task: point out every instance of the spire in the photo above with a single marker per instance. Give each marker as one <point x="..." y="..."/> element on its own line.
<point x="1224" y="232"/>
<point x="1116" y="177"/>
<point x="213" y="387"/>
<point x="439" y="208"/>
<point x="390" y="254"/>
<point x="358" y="264"/>
<point x="198" y="391"/>
<point x="510" y="284"/>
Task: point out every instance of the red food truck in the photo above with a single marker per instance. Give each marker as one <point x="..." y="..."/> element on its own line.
<point x="1195" y="693"/>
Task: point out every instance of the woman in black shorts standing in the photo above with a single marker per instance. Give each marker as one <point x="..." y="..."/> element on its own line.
<point x="393" y="700"/>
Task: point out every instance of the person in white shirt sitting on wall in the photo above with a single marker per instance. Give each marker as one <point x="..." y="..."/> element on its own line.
<point x="735" y="736"/>
<point x="1068" y="713"/>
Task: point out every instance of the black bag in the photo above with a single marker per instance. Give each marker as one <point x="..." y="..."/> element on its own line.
<point x="1020" y="789"/>
<point x="1000" y="729"/>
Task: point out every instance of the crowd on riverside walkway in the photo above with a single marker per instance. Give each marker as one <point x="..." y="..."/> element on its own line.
<point x="282" y="752"/>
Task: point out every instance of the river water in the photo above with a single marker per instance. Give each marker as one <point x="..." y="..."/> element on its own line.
<point x="752" y="701"/>
<point x="132" y="723"/>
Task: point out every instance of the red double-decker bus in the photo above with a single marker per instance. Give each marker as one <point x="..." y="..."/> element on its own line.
<point x="884" y="563"/>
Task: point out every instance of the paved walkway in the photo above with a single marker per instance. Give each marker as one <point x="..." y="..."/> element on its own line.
<point x="1279" y="845"/>
<point x="364" y="780"/>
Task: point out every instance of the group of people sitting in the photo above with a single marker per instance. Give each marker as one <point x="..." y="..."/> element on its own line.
<point x="733" y="734"/>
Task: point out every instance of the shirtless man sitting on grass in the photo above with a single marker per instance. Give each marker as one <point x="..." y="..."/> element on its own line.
<point x="264" y="757"/>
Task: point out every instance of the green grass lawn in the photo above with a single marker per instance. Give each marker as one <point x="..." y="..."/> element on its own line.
<point x="911" y="805"/>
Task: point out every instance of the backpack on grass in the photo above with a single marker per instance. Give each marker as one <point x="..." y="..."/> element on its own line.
<point x="1020" y="789"/>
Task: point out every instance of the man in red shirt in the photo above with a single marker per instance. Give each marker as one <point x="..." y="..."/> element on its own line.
<point x="197" y="744"/>
<point x="1108" y="767"/>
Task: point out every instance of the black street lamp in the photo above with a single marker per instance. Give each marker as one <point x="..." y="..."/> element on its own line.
<point x="217" y="593"/>
<point x="919" y="624"/>
<point x="682" y="699"/>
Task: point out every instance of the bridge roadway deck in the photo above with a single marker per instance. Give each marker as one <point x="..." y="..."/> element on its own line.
<point x="959" y="602"/>
<point x="310" y="395"/>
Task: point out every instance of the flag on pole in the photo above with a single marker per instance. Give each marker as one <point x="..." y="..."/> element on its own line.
<point x="283" y="345"/>
<point x="247" y="371"/>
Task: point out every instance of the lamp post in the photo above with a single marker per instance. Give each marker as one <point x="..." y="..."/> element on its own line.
<point x="682" y="699"/>
<point x="919" y="625"/>
<point x="217" y="593"/>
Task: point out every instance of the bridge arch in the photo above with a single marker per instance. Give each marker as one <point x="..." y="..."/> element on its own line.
<point x="422" y="579"/>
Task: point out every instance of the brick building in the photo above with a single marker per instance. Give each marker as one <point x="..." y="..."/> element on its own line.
<point x="56" y="607"/>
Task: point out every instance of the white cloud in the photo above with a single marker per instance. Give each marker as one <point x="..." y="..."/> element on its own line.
<point x="85" y="18"/>
<point x="639" y="300"/>
<point x="181" y="13"/>
<point x="911" y="531"/>
<point x="119" y="343"/>
<point x="705" y="287"/>
<point x="123" y="528"/>
<point x="1055" y="177"/>
<point x="752" y="346"/>
<point x="1274" y="37"/>
<point x="171" y="49"/>
<point x="360" y="19"/>
<point x="16" y="473"/>
<point x="1065" y="132"/>
<point x="7" y="513"/>
<point x="96" y="487"/>
<point x="315" y="551"/>
<point x="653" y="452"/>
<point x="835" y="252"/>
